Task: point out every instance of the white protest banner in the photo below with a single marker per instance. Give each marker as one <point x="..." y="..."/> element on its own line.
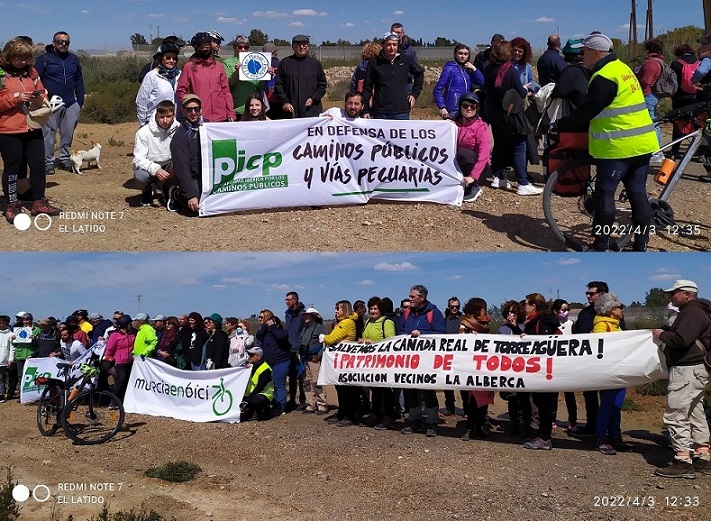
<point x="326" y="162"/>
<point x="34" y="367"/>
<point x="47" y="367"/>
<point x="498" y="362"/>
<point x="254" y="66"/>
<point x="159" y="389"/>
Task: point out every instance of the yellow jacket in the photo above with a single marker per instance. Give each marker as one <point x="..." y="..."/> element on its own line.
<point x="344" y="330"/>
<point x="605" y="325"/>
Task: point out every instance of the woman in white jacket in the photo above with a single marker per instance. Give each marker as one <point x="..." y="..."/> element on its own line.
<point x="159" y="84"/>
<point x="151" y="152"/>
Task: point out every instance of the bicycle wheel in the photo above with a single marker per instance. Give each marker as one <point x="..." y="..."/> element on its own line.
<point x="568" y="208"/>
<point x="49" y="408"/>
<point x="92" y="417"/>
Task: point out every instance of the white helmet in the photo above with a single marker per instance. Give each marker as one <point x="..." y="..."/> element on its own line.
<point x="56" y="103"/>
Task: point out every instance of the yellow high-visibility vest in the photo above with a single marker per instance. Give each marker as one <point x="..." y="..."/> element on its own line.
<point x="624" y="128"/>
<point x="254" y="380"/>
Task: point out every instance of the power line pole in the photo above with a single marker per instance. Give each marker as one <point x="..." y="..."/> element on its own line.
<point x="707" y="15"/>
<point x="649" y="22"/>
<point x="138" y="297"/>
<point x="632" y="39"/>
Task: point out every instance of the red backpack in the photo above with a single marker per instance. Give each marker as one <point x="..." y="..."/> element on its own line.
<point x="687" y="71"/>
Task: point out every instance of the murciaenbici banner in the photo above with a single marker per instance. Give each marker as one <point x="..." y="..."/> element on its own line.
<point x="498" y="362"/>
<point x="159" y="389"/>
<point x="325" y="162"/>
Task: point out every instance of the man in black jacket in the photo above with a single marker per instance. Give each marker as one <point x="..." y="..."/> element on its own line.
<point x="185" y="153"/>
<point x="686" y="343"/>
<point x="386" y="82"/>
<point x="300" y="81"/>
<point x="550" y="65"/>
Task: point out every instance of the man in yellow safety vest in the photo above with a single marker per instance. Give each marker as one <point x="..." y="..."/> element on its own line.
<point x="259" y="395"/>
<point x="621" y="137"/>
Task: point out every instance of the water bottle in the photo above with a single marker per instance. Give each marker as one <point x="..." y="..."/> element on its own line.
<point x="665" y="171"/>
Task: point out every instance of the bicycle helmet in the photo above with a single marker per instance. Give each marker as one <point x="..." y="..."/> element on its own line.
<point x="662" y="213"/>
<point x="216" y="36"/>
<point x="89" y="370"/>
<point x="165" y="48"/>
<point x="469" y="97"/>
<point x="56" y="103"/>
<point x="201" y="37"/>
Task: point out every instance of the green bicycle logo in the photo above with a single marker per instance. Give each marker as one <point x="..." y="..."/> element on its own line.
<point x="222" y="400"/>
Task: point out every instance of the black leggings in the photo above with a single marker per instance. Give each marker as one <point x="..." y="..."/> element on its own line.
<point x="16" y="151"/>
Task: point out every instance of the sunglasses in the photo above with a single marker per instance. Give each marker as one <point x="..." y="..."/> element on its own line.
<point x="467" y="106"/>
<point x="61" y="42"/>
<point x="192" y="109"/>
<point x="453" y="307"/>
<point x="243" y="47"/>
<point x="590" y="293"/>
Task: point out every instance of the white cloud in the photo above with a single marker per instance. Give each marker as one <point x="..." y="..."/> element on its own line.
<point x="626" y="27"/>
<point x="403" y="266"/>
<point x="544" y="19"/>
<point x="231" y="20"/>
<point x="366" y="282"/>
<point x="279" y="287"/>
<point x="84" y="11"/>
<point x="240" y="281"/>
<point x="155" y="15"/>
<point x="398" y="13"/>
<point x="34" y="8"/>
<point x="308" y="12"/>
<point x="296" y="24"/>
<point x="269" y="14"/>
<point x="567" y="262"/>
<point x="220" y="286"/>
<point x="665" y="276"/>
<point x="454" y="277"/>
<point x="348" y="24"/>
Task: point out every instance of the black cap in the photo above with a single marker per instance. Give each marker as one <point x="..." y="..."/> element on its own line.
<point x="301" y="38"/>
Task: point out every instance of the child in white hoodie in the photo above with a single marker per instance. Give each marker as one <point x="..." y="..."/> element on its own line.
<point x="5" y="340"/>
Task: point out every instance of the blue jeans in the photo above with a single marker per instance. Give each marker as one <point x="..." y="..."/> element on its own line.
<point x="279" y="373"/>
<point x="398" y="115"/>
<point x="609" y="416"/>
<point x="509" y="146"/>
<point x="652" y="100"/>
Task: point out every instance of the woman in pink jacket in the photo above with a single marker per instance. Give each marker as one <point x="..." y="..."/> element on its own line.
<point x="473" y="145"/>
<point x="119" y="348"/>
<point x="204" y="76"/>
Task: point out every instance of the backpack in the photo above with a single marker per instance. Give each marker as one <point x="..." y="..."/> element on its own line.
<point x="406" y="313"/>
<point x="687" y="71"/>
<point x="667" y="84"/>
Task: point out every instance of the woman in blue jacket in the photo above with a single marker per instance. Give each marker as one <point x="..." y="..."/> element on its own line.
<point x="458" y="76"/>
<point x="274" y="341"/>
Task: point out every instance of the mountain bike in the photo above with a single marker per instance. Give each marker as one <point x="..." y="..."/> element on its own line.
<point x="568" y="194"/>
<point x="87" y="415"/>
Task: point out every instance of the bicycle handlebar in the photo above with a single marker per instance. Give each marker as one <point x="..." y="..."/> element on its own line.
<point x="689" y="112"/>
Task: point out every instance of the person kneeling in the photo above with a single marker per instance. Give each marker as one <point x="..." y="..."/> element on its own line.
<point x="151" y="152"/>
<point x="259" y="395"/>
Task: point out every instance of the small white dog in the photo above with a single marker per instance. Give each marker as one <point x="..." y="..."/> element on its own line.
<point x="93" y="154"/>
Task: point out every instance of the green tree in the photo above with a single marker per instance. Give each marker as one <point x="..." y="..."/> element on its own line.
<point x="156" y="42"/>
<point x="443" y="42"/>
<point x="258" y="38"/>
<point x="655" y="298"/>
<point x="282" y="43"/>
<point x="138" y="39"/>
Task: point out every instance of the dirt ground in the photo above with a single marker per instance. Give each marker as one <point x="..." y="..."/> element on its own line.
<point x="299" y="467"/>
<point x="498" y="221"/>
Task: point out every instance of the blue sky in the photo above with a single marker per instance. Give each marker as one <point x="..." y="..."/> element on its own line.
<point x="240" y="284"/>
<point x="107" y="24"/>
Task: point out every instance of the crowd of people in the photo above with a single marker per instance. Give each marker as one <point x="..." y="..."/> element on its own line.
<point x="284" y="357"/>
<point x="486" y="95"/>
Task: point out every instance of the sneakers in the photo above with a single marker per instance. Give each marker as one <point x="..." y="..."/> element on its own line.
<point x="702" y="466"/>
<point x="66" y="165"/>
<point x="407" y="430"/>
<point x="657" y="158"/>
<point x="538" y="444"/>
<point x="583" y="432"/>
<point x="147" y="196"/>
<point x="431" y="432"/>
<point x="621" y="446"/>
<point x="475" y="193"/>
<point x="677" y="469"/>
<point x="499" y="183"/>
<point x="13" y="210"/>
<point x="383" y="425"/>
<point x="344" y="423"/>
<point x="170" y="202"/>
<point x="528" y="189"/>
<point x="43" y="206"/>
<point x="605" y="448"/>
<point x="49" y="168"/>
